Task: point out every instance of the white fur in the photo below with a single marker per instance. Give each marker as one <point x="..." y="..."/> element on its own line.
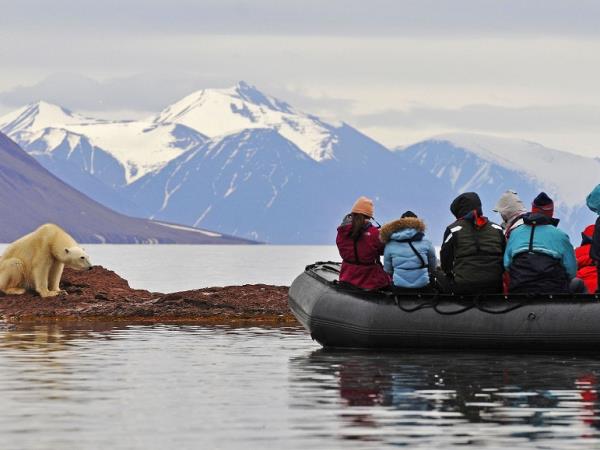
<point x="36" y="261"/>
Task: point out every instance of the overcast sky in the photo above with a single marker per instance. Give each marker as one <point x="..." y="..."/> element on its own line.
<point x="398" y="70"/>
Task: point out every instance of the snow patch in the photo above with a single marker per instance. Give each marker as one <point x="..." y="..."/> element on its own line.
<point x="218" y="112"/>
<point x="232" y="187"/>
<point x="544" y="165"/>
<point x="194" y="230"/>
<point x="202" y="216"/>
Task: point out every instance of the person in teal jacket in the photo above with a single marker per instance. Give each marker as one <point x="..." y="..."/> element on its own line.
<point x="408" y="256"/>
<point x="540" y="257"/>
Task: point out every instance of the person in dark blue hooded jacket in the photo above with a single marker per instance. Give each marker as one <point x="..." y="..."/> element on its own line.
<point x="593" y="202"/>
<point x="472" y="251"/>
<point x="539" y="257"/>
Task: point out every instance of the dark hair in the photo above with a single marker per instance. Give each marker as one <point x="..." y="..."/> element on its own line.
<point x="358" y="223"/>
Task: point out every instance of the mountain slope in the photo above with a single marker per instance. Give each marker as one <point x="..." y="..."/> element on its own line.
<point x="251" y="184"/>
<point x="31" y="196"/>
<point x="257" y="184"/>
<point x="137" y="147"/>
<point x="489" y="165"/>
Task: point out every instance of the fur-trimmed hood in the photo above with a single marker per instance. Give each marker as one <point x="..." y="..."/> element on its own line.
<point x="407" y="223"/>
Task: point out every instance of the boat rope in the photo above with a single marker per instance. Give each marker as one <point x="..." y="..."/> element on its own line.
<point x="416" y="308"/>
<point x="500" y="311"/>
<point x="452" y="313"/>
<point x="436" y="307"/>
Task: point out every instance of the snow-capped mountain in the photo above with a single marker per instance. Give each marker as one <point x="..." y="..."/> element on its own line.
<point x="255" y="167"/>
<point x="266" y="168"/>
<point x="271" y="173"/>
<point x="137" y="146"/>
<point x="219" y="112"/>
<point x="489" y="165"/>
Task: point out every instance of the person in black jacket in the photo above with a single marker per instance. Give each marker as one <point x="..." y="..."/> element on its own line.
<point x="473" y="249"/>
<point x="593" y="202"/>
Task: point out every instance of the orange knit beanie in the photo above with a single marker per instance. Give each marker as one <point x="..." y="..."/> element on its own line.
<point x="364" y="206"/>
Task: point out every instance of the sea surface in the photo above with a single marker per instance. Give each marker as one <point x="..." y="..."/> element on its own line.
<point x="118" y="386"/>
<point x="190" y="387"/>
<point x="171" y="268"/>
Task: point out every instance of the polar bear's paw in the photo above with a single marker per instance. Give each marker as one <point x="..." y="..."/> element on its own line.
<point x="61" y="292"/>
<point x="45" y="294"/>
<point x="14" y="291"/>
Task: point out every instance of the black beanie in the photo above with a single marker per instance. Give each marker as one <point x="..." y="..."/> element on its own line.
<point x="408" y="214"/>
<point x="542" y="200"/>
<point x="543" y="204"/>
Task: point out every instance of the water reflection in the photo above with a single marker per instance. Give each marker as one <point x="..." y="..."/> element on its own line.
<point x="155" y="387"/>
<point x="152" y="387"/>
<point x="433" y="399"/>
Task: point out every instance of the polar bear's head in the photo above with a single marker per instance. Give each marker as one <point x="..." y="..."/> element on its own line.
<point x="77" y="258"/>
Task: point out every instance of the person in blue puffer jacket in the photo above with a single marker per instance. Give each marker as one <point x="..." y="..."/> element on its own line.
<point x="539" y="257"/>
<point x="407" y="255"/>
<point x="593" y="202"/>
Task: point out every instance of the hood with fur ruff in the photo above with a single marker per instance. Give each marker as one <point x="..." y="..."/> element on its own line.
<point x="388" y="229"/>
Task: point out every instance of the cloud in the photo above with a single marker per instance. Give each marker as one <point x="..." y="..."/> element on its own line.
<point x="150" y="92"/>
<point x="489" y="118"/>
<point x="142" y="92"/>
<point x="331" y="17"/>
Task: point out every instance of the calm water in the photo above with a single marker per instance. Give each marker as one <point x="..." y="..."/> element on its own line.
<point x="170" y="268"/>
<point x="188" y="387"/>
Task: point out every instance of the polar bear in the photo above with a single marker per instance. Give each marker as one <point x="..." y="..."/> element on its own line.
<point x="36" y="261"/>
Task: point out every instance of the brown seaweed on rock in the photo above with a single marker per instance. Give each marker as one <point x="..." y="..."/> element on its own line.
<point x="101" y="295"/>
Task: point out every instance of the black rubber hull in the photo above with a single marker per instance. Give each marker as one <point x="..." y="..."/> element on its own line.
<point x="338" y="318"/>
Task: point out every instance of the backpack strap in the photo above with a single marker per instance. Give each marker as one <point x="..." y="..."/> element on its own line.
<point x="357" y="261"/>
<point x="531" y="238"/>
<point x="415" y="251"/>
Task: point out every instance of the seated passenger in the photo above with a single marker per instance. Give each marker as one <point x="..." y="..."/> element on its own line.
<point x="472" y="251"/>
<point x="360" y="248"/>
<point x="408" y="256"/>
<point x="539" y="256"/>
<point x="511" y="209"/>
<point x="593" y="202"/>
<point x="587" y="270"/>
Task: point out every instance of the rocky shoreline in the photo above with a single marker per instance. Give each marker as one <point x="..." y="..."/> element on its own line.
<point x="103" y="296"/>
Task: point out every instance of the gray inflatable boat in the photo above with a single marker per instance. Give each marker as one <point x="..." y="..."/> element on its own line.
<point x="343" y="316"/>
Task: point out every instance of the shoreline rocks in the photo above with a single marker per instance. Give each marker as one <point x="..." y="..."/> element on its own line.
<point x="101" y="295"/>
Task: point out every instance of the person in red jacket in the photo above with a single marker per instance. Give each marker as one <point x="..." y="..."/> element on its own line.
<point x="586" y="266"/>
<point x="360" y="248"/>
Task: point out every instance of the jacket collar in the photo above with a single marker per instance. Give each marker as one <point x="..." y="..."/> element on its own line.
<point x="475" y="218"/>
<point x="539" y="219"/>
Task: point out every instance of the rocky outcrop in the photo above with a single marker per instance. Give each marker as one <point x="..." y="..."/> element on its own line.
<point x="101" y="295"/>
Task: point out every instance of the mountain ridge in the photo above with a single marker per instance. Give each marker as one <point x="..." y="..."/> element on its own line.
<point x="34" y="196"/>
<point x="301" y="167"/>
